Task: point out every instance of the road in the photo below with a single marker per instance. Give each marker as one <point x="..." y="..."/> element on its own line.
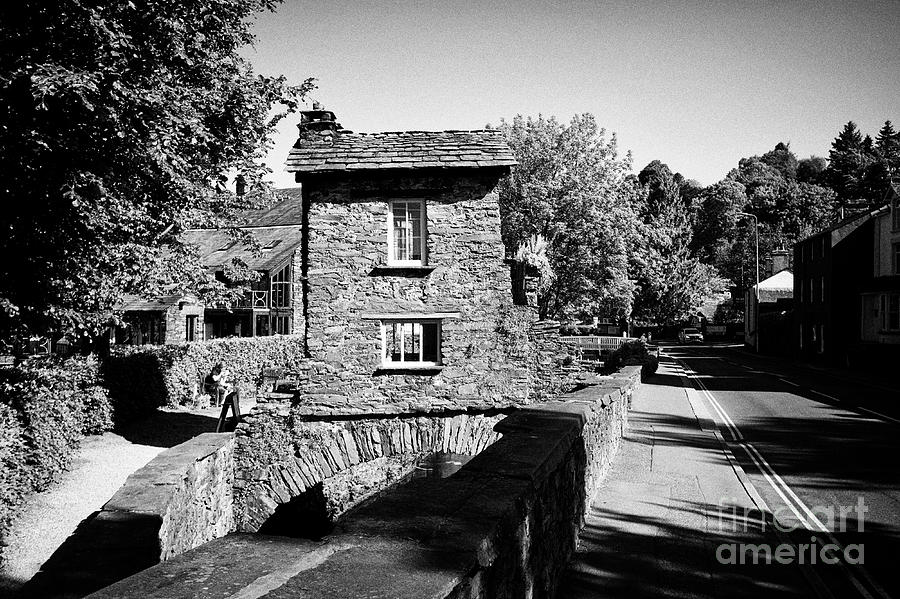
<point x="814" y="445"/>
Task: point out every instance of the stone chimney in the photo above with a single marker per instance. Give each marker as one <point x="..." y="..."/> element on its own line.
<point x="781" y="260"/>
<point x="317" y="122"/>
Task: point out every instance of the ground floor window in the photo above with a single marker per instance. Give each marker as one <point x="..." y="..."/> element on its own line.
<point x="891" y="311"/>
<point x="190" y="327"/>
<point x="416" y="343"/>
<point x="281" y="325"/>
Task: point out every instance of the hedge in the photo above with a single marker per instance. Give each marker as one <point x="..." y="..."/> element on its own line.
<point x="141" y="378"/>
<point x="45" y="410"/>
<point x="633" y="353"/>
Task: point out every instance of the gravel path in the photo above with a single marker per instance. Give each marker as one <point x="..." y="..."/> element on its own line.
<point x="98" y="469"/>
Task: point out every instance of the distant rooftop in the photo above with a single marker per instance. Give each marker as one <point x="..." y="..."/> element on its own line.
<point x="323" y="147"/>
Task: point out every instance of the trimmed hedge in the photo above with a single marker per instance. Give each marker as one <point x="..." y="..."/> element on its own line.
<point x="146" y="377"/>
<point x="45" y="410"/>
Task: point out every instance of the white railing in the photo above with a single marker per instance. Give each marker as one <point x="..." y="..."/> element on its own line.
<point x="597" y="343"/>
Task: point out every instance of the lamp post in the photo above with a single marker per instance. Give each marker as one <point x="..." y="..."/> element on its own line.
<point x="756" y="226"/>
<point x="756" y="293"/>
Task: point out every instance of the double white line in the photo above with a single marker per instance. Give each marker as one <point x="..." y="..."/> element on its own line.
<point x="804" y="515"/>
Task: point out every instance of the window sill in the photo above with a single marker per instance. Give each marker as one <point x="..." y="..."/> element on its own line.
<point x="386" y="270"/>
<point x="413" y="370"/>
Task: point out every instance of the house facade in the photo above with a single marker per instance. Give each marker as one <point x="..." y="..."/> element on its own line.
<point x="408" y="296"/>
<point x="880" y="297"/>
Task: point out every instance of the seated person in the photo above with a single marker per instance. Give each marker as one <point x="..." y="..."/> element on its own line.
<point x="217" y="382"/>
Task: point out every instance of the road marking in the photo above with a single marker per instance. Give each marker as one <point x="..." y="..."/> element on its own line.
<point x="788" y="382"/>
<point x="879" y="414"/>
<point x="831" y="397"/>
<point x="808" y="519"/>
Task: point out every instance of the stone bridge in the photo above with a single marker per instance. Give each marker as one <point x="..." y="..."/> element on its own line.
<point x="505" y="524"/>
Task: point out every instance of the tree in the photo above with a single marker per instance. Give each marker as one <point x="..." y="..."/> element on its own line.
<point x="570" y="187"/>
<point x="783" y="160"/>
<point x="716" y="218"/>
<point x="809" y="170"/>
<point x="117" y="121"/>
<point x="848" y="161"/>
<point x="671" y="282"/>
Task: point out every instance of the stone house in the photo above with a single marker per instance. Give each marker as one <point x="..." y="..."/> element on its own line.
<point x="408" y="300"/>
<point x="273" y="305"/>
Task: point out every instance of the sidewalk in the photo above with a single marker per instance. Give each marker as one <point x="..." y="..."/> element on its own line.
<point x="656" y="523"/>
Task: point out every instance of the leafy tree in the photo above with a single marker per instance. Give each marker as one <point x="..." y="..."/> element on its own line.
<point x="116" y="121"/>
<point x="571" y="188"/>
<point x="671" y="282"/>
<point x="783" y="160"/>
<point x="716" y="218"/>
<point x="809" y="170"/>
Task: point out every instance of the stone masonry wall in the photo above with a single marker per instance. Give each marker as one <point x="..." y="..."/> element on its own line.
<point x="181" y="499"/>
<point x="282" y="457"/>
<point x="505" y="525"/>
<point x="487" y="356"/>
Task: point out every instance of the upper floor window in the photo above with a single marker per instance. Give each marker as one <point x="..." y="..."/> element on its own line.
<point x="896" y="258"/>
<point x="406" y="233"/>
<point x="895" y="215"/>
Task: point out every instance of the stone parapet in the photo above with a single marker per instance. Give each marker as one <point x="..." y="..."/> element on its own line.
<point x="505" y="525"/>
<point x="178" y="501"/>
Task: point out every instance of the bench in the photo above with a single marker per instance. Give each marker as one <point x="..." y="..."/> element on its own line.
<point x="279" y="384"/>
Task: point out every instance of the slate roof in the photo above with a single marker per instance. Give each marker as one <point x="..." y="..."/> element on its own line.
<point x="217" y="248"/>
<point x="407" y="150"/>
<point x="287" y="211"/>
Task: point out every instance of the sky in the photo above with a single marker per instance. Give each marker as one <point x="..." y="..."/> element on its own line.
<point x="697" y="85"/>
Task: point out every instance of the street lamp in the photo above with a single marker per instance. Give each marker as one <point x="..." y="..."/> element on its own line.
<point x="755" y="307"/>
<point x="756" y="226"/>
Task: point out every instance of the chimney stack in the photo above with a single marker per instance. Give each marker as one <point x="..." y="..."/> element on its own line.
<point x="781" y="260"/>
<point x="317" y="121"/>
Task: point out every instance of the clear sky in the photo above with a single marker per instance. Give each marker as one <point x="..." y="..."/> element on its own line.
<point x="697" y="85"/>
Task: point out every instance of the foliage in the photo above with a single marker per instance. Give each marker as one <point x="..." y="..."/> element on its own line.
<point x="860" y="169"/>
<point x="117" y="122"/>
<point x="570" y="187"/>
<point x="633" y="353"/>
<point x="671" y="282"/>
<point x="150" y="376"/>
<point x="45" y="410"/>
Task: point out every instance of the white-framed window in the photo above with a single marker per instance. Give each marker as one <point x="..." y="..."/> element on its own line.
<point x="890" y="303"/>
<point x="895" y="215"/>
<point x="281" y="325"/>
<point x="410" y="343"/>
<point x="406" y="233"/>
<point x="821" y="338"/>
<point x="280" y="288"/>
<point x="822" y="289"/>
<point x="812" y="295"/>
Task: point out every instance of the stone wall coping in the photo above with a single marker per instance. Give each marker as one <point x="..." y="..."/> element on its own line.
<point x="150" y="489"/>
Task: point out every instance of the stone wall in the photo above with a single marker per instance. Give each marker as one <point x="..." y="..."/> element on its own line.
<point x="505" y="525"/>
<point x="180" y="500"/>
<point x="488" y="357"/>
<point x="282" y="457"/>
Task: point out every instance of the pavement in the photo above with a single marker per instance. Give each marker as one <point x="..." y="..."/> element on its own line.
<point x="675" y="510"/>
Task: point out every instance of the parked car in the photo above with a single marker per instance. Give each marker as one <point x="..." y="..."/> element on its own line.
<point x="690" y="335"/>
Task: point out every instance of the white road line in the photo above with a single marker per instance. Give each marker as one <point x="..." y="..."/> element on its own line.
<point x="808" y="519"/>
<point x="788" y="382"/>
<point x="879" y="414"/>
<point x="831" y="397"/>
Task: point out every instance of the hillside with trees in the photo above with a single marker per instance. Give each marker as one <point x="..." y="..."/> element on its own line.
<point x="656" y="246"/>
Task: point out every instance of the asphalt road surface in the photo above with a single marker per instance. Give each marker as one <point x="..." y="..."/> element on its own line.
<point x="823" y="452"/>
